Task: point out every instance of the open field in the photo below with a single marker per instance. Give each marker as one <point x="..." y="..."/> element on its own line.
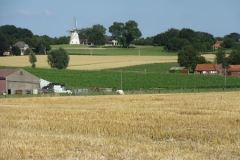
<point x="92" y="62"/>
<point x="170" y="126"/>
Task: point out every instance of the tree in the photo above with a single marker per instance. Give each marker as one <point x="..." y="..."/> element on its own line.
<point x="125" y="33"/>
<point x="162" y="38"/>
<point x="97" y="38"/>
<point x="234" y="36"/>
<point x="99" y="28"/>
<point x="228" y="43"/>
<point x="3" y="44"/>
<point x="16" y="51"/>
<point x="84" y="33"/>
<point x="234" y="57"/>
<point x="221" y="58"/>
<point x="32" y="59"/>
<point x="189" y="57"/>
<point x="58" y="58"/>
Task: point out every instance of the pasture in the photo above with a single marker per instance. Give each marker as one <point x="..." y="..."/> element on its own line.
<point x="153" y="126"/>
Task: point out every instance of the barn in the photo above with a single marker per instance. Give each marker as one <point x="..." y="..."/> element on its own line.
<point x="17" y="80"/>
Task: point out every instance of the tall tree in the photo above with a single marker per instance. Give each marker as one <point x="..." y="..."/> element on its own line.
<point x="189" y="57"/>
<point x="125" y="33"/>
<point x="58" y="58"/>
<point x="99" y="28"/>
<point x="234" y="57"/>
<point x="97" y="38"/>
<point x="32" y="59"/>
<point x="4" y="46"/>
<point x="84" y="33"/>
<point x="16" y="51"/>
<point x="221" y="58"/>
<point x="235" y="36"/>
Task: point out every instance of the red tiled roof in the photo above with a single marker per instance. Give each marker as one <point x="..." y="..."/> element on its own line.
<point x="234" y="68"/>
<point x="207" y="67"/>
<point x="5" y="72"/>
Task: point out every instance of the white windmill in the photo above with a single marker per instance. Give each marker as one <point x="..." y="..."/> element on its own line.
<point x="74" y="39"/>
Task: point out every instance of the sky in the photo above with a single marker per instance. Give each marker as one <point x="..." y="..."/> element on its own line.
<point x="55" y="17"/>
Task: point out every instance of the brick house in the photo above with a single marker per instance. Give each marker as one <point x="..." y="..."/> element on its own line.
<point x="217" y="44"/>
<point x="209" y="69"/>
<point x="233" y="70"/>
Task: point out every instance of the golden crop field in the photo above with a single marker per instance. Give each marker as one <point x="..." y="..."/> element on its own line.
<point x="92" y="62"/>
<point x="152" y="126"/>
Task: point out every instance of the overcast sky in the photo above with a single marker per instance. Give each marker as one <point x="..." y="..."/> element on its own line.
<point x="55" y="17"/>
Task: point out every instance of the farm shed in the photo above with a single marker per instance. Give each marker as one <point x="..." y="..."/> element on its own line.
<point x="209" y="69"/>
<point x="12" y="80"/>
<point x="179" y="70"/>
<point x="233" y="70"/>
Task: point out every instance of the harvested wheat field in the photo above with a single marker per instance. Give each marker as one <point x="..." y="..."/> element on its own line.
<point x="91" y="62"/>
<point x="170" y="126"/>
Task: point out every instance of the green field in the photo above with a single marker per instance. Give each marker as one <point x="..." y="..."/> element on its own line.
<point x="133" y="78"/>
<point x="109" y="51"/>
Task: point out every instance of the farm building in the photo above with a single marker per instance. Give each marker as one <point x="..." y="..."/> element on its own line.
<point x="233" y="70"/>
<point x="22" y="45"/>
<point x="217" y="44"/>
<point x="209" y="69"/>
<point x="17" y="81"/>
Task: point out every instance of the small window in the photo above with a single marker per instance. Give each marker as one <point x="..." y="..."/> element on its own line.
<point x="21" y="72"/>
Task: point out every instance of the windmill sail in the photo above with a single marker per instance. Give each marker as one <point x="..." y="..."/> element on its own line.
<point x="74" y="39"/>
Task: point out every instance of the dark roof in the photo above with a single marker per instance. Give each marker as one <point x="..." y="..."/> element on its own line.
<point x="6" y="72"/>
<point x="20" y="44"/>
<point x="207" y="67"/>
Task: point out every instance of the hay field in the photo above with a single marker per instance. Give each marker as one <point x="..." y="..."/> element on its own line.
<point x="92" y="62"/>
<point x="170" y="126"/>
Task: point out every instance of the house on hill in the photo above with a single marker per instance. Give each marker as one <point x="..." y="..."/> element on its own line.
<point x="13" y="80"/>
<point x="22" y="45"/>
<point x="217" y="44"/>
<point x="209" y="69"/>
<point x="233" y="70"/>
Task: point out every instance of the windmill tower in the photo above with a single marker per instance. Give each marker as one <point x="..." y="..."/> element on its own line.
<point x="74" y="39"/>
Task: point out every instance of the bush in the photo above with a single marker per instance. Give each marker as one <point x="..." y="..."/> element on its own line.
<point x="58" y="58"/>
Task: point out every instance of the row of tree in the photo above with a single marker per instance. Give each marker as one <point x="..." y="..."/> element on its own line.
<point x="125" y="33"/>
<point x="189" y="57"/>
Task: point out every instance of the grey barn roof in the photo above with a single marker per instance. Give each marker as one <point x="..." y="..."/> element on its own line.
<point x="20" y="44"/>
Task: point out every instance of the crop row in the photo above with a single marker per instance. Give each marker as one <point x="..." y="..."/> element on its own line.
<point x="131" y="80"/>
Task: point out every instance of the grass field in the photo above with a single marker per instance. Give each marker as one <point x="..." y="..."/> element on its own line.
<point x="171" y="126"/>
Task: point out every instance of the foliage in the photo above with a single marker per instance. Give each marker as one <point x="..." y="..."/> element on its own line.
<point x="175" y="40"/>
<point x="234" y="57"/>
<point x="28" y="51"/>
<point x="125" y="33"/>
<point x="221" y="58"/>
<point x="32" y="59"/>
<point x="3" y="44"/>
<point x="228" y="43"/>
<point x="97" y="38"/>
<point x="144" y="41"/>
<point x="162" y="38"/>
<point x="58" y="58"/>
<point x="235" y="36"/>
<point x="84" y="33"/>
<point x="16" y="51"/>
<point x="189" y="57"/>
